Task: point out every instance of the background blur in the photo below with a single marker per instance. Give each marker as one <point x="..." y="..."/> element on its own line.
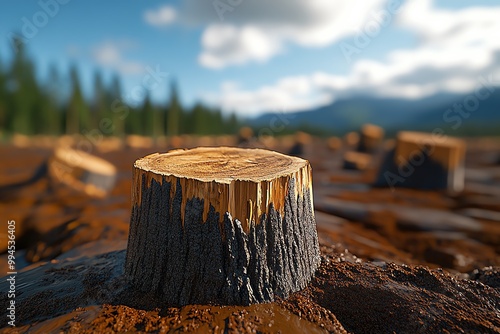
<point x="190" y="67"/>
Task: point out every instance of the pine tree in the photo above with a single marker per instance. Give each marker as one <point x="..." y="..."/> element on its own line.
<point x="174" y="111"/>
<point x="232" y="125"/>
<point x="200" y="120"/>
<point x="217" y="122"/>
<point x="159" y="122"/>
<point x="119" y="110"/>
<point x="133" y="122"/>
<point x="3" y="99"/>
<point x="148" y="117"/>
<point x="30" y="108"/>
<point x="50" y="102"/>
<point x="77" y="118"/>
<point x="24" y="91"/>
<point x="100" y="108"/>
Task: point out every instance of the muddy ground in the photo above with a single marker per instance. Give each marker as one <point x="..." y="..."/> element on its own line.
<point x="401" y="260"/>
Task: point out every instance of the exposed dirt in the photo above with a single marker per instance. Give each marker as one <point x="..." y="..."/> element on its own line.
<point x="381" y="252"/>
<point x="85" y="294"/>
<point x="368" y="297"/>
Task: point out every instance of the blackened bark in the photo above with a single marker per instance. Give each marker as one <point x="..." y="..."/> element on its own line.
<point x="203" y="262"/>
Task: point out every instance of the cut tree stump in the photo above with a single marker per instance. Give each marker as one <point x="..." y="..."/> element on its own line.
<point x="356" y="161"/>
<point x="82" y="171"/>
<point x="371" y="137"/>
<point x="79" y="170"/>
<point x="221" y="225"/>
<point x="424" y="161"/>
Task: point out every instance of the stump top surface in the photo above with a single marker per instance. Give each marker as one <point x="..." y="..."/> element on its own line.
<point x="421" y="137"/>
<point x="221" y="164"/>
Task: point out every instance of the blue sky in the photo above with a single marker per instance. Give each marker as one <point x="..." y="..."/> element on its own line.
<point x="255" y="56"/>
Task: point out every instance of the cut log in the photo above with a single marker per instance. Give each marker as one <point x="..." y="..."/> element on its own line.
<point x="82" y="171"/>
<point x="245" y="135"/>
<point x="139" y="142"/>
<point x="221" y="225"/>
<point x="302" y="139"/>
<point x="424" y="161"/>
<point x="351" y="139"/>
<point x="110" y="144"/>
<point x="371" y="138"/>
<point x="334" y="144"/>
<point x="356" y="161"/>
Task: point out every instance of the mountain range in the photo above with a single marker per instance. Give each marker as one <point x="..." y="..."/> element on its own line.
<point x="437" y="111"/>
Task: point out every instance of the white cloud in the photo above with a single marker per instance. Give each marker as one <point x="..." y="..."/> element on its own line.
<point x="160" y="17"/>
<point x="226" y="44"/>
<point x="110" y="54"/>
<point x="258" y="30"/>
<point x="455" y="49"/>
<point x="288" y="94"/>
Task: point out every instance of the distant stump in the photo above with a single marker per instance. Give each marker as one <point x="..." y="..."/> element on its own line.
<point x="424" y="161"/>
<point x="221" y="225"/>
<point x="82" y="171"/>
<point x="371" y="138"/>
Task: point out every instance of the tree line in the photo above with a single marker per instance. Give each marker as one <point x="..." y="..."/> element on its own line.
<point x="57" y="106"/>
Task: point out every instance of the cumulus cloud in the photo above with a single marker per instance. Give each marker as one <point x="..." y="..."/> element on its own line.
<point x="457" y="49"/>
<point x="258" y="30"/>
<point x="160" y="17"/>
<point x="226" y="44"/>
<point x="288" y="94"/>
<point x="110" y="54"/>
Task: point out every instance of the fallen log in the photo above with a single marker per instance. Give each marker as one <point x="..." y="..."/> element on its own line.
<point x="82" y="171"/>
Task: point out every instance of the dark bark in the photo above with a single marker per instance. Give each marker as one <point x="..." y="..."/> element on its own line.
<point x="204" y="262"/>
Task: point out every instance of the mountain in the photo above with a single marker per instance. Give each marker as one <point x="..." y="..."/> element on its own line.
<point x="392" y="114"/>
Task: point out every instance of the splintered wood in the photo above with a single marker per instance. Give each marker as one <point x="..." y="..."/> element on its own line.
<point x="221" y="225"/>
<point x="242" y="182"/>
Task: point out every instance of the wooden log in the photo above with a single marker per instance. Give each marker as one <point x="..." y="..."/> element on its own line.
<point x="82" y="171"/>
<point x="334" y="144"/>
<point x="221" y="225"/>
<point x="356" y="161"/>
<point x="424" y="161"/>
<point x="302" y="139"/>
<point x="79" y="170"/>
<point x="245" y="135"/>
<point x="139" y="142"/>
<point x="351" y="139"/>
<point x="371" y="137"/>
<point x="110" y="144"/>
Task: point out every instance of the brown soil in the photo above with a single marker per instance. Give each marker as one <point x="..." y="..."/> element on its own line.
<point x="381" y="254"/>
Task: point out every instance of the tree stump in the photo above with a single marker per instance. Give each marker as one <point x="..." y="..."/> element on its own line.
<point x="371" y="138"/>
<point x="82" y="171"/>
<point x="356" y="161"/>
<point x="221" y="225"/>
<point x="424" y="161"/>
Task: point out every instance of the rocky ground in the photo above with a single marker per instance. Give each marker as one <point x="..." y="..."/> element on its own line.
<point x="400" y="260"/>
